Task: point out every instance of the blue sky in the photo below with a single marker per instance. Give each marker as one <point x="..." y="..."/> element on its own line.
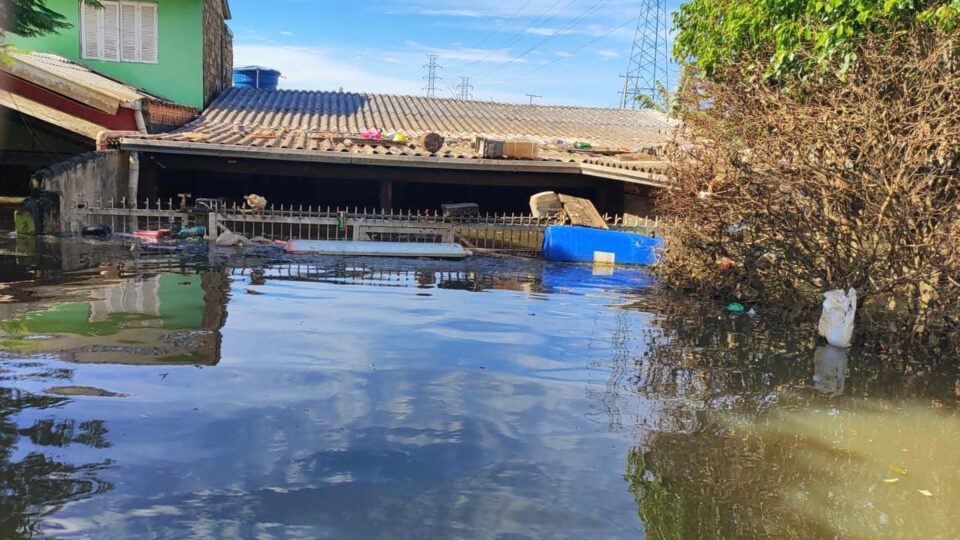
<point x="571" y="52"/>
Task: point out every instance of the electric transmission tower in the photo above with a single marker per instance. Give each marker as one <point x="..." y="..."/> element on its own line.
<point x="648" y="59"/>
<point x="431" y="76"/>
<point x="464" y="89"/>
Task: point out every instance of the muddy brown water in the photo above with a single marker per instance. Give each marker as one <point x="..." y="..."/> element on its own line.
<point x="175" y="393"/>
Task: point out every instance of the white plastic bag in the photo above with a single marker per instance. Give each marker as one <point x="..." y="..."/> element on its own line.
<point x="836" y="323"/>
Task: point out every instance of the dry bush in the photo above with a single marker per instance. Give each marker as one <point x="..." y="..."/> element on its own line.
<point x="827" y="185"/>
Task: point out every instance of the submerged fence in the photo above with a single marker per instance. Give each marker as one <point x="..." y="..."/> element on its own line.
<point x="484" y="232"/>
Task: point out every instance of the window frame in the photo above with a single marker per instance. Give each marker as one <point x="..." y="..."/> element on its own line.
<point x="138" y="32"/>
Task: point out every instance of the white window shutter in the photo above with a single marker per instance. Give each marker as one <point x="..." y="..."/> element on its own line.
<point x="129" y="48"/>
<point x="148" y="33"/>
<point x="90" y="31"/>
<point x="111" y="31"/>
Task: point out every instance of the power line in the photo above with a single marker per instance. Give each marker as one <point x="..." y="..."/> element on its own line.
<point x="649" y="63"/>
<point x="502" y="24"/>
<point x="431" y="76"/>
<point x="573" y="53"/>
<point x="520" y="33"/>
<point x="589" y="11"/>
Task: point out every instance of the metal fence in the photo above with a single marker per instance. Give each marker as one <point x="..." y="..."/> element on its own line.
<point x="502" y="232"/>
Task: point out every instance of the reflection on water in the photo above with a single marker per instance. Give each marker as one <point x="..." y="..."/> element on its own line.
<point x="147" y="319"/>
<point x="173" y="395"/>
<point x="35" y="480"/>
<point x="761" y="434"/>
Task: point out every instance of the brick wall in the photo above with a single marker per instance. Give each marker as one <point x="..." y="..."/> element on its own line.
<point x="217" y="51"/>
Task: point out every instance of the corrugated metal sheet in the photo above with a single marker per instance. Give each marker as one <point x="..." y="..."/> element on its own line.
<point x="64" y="76"/>
<point x="49" y="115"/>
<point x="83" y="84"/>
<point x="301" y="117"/>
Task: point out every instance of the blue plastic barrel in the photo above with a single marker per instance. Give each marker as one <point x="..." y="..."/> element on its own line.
<point x="580" y="244"/>
<point x="256" y="77"/>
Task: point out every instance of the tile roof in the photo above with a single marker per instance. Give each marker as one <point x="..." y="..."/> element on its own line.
<point x="298" y="124"/>
<point x="346" y="113"/>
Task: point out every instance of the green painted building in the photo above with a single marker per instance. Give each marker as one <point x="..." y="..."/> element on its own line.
<point x="180" y="50"/>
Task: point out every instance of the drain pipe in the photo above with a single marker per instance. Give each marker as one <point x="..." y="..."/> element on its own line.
<point x="103" y="144"/>
<point x="141" y="123"/>
<point x="133" y="184"/>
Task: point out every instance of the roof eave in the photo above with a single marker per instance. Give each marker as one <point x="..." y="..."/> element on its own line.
<point x="83" y="94"/>
<point x="344" y="158"/>
<point x="50" y="115"/>
<point x="644" y="178"/>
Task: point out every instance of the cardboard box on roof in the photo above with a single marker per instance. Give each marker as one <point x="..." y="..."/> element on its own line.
<point x="522" y="149"/>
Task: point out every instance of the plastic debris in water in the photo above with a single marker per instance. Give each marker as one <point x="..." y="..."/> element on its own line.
<point x="889" y="479"/>
<point x="735" y="229"/>
<point x="925" y="493"/>
<point x="735" y="307"/>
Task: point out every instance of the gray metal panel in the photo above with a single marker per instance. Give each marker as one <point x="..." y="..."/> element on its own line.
<point x="377" y="249"/>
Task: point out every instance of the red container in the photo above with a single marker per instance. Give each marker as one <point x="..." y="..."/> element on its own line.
<point x="153" y="236"/>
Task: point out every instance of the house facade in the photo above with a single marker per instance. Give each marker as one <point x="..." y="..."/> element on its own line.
<point x="178" y="50"/>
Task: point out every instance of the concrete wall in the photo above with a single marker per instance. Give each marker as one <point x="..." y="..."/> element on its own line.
<point x="178" y="74"/>
<point x="84" y="180"/>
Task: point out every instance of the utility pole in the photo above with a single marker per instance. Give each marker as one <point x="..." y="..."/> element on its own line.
<point x="431" y="76"/>
<point x="464" y="89"/>
<point x="531" y="96"/>
<point x="649" y="59"/>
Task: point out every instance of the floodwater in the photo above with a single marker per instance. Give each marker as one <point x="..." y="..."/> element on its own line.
<point x="180" y="394"/>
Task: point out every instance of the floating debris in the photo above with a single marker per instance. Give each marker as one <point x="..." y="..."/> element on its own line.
<point x="735" y="307"/>
<point x="71" y="391"/>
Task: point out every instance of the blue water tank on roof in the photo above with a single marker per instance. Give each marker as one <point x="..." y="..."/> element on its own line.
<point x="256" y="77"/>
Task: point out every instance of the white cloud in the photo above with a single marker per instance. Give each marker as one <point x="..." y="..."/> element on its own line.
<point x="285" y="33"/>
<point x="541" y="31"/>
<point x="607" y="53"/>
<point x="464" y="54"/>
<point x="309" y="68"/>
<point x="564" y="54"/>
<point x="451" y="13"/>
